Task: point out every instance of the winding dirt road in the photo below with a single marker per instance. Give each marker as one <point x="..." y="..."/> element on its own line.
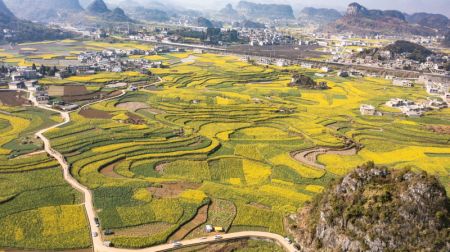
<point x="309" y="157"/>
<point x="97" y="242"/>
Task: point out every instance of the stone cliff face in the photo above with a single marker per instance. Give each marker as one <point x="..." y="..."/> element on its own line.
<point x="5" y="14"/>
<point x="355" y="9"/>
<point x="319" y="15"/>
<point x="373" y="209"/>
<point x="43" y="10"/>
<point x="436" y="21"/>
<point x="97" y="7"/>
<point x="265" y="11"/>
<point x="360" y="20"/>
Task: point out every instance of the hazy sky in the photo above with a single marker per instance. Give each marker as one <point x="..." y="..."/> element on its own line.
<point x="410" y="6"/>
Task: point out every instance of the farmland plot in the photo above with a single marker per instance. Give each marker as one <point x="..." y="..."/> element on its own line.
<point x="221" y="132"/>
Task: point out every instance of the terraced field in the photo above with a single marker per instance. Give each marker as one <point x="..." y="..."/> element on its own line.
<point x="38" y="210"/>
<point x="221" y="130"/>
<point x="223" y="133"/>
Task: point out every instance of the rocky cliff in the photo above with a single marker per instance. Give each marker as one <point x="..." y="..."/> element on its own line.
<point x="319" y="15"/>
<point x="436" y="21"/>
<point x="99" y="9"/>
<point x="265" y="11"/>
<point x="16" y="30"/>
<point x="375" y="209"/>
<point x="360" y="20"/>
<point x="43" y="10"/>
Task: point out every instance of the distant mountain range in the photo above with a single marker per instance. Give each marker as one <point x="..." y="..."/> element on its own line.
<point x="360" y="20"/>
<point x="14" y="29"/>
<point x="436" y="21"/>
<point x="146" y="10"/>
<point x="252" y="11"/>
<point x="43" y="10"/>
<point x="64" y="10"/>
<point x="98" y="8"/>
<point x="319" y="15"/>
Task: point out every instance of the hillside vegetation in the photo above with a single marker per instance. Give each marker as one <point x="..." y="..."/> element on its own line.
<point x="373" y="209"/>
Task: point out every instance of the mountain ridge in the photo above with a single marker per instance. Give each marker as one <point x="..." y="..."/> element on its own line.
<point x="265" y="11"/>
<point x="16" y="30"/>
<point x="360" y="20"/>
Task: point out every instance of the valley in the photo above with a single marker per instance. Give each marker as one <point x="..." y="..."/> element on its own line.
<point x="251" y="126"/>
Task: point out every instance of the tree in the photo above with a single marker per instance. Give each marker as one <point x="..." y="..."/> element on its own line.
<point x="42" y="70"/>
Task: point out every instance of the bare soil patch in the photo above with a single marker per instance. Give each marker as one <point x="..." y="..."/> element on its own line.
<point x="199" y="219"/>
<point x="155" y="111"/>
<point x="170" y="190"/>
<point x="135" y="119"/>
<point x="90" y="97"/>
<point x="108" y="171"/>
<point x="259" y="205"/>
<point x="132" y="106"/>
<point x="441" y="129"/>
<point x="143" y="230"/>
<point x="13" y="98"/>
<point x="160" y="167"/>
<point x="309" y="157"/>
<point x="94" y="113"/>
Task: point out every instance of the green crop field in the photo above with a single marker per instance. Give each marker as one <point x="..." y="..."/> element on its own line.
<point x="38" y="210"/>
<point x="219" y="132"/>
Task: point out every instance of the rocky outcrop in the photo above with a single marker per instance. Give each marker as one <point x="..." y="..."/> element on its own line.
<point x="118" y="15"/>
<point x="17" y="30"/>
<point x="413" y="51"/>
<point x="203" y="22"/>
<point x="228" y="13"/>
<point x="374" y="209"/>
<point x="319" y="15"/>
<point x="436" y="21"/>
<point x="360" y="20"/>
<point x="357" y="10"/>
<point x="43" y="10"/>
<point x="265" y="11"/>
<point x="306" y="82"/>
<point x="97" y="7"/>
<point x="5" y="14"/>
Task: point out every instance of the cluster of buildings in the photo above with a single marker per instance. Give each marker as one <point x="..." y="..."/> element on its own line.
<point x="112" y="61"/>
<point x="264" y="37"/>
<point x="435" y="64"/>
<point x="413" y="109"/>
<point x="369" y="110"/>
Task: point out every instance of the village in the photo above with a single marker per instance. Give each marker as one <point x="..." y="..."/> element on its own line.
<point x="439" y="97"/>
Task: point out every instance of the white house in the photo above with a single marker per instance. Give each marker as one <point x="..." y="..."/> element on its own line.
<point x="282" y="63"/>
<point x="15" y="85"/>
<point x="402" y="83"/>
<point x="368" y="110"/>
<point x="326" y="69"/>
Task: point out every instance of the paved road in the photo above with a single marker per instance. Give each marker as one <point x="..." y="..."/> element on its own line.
<point x="98" y="244"/>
